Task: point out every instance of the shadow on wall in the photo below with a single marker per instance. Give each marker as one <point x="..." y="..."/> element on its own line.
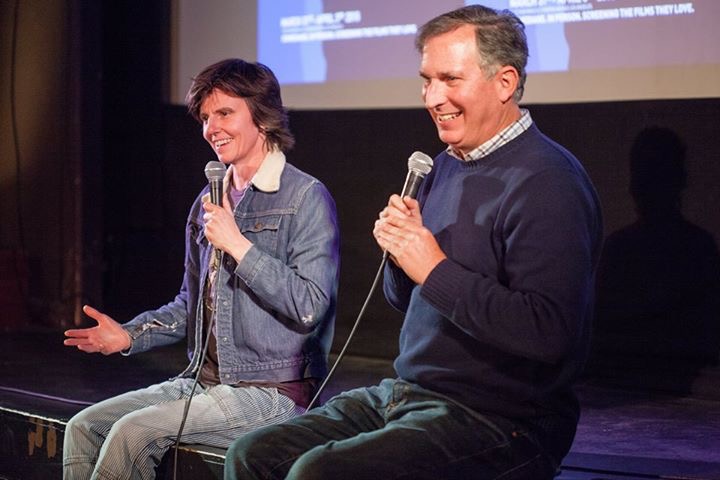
<point x="658" y="280"/>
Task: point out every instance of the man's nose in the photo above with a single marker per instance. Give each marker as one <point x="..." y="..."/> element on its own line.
<point x="433" y="94"/>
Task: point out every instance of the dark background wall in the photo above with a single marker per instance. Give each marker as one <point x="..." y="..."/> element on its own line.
<point x="361" y="157"/>
<point x="51" y="131"/>
<point x="142" y="163"/>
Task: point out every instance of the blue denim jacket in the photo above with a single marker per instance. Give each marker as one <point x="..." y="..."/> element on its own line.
<point x="276" y="308"/>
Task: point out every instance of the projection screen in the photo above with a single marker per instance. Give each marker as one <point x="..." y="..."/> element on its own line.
<point x="354" y="54"/>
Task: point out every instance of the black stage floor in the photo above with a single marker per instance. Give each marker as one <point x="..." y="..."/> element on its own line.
<point x="627" y="433"/>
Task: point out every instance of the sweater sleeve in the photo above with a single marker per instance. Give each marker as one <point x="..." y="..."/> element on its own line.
<point x="546" y="240"/>
<point x="397" y="287"/>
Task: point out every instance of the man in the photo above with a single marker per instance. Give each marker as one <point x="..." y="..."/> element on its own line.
<point x="260" y="283"/>
<point x="493" y="267"/>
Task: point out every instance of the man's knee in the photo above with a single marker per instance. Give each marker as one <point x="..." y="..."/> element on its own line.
<point x="237" y="465"/>
<point x="250" y="456"/>
<point x="316" y="464"/>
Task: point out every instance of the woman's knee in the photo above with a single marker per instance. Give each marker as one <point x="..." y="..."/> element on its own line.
<point x="93" y="420"/>
<point x="82" y="424"/>
<point x="81" y="441"/>
<point x="134" y="429"/>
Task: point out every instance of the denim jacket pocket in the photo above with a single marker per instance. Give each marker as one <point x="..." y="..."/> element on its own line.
<point x="262" y="230"/>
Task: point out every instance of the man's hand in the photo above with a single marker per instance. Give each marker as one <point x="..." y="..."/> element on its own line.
<point x="400" y="232"/>
<point x="107" y="337"/>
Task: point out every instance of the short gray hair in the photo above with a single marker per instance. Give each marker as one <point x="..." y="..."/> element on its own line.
<point x="500" y="38"/>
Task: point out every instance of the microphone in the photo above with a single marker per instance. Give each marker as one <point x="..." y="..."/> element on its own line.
<point x="419" y="165"/>
<point x="215" y="173"/>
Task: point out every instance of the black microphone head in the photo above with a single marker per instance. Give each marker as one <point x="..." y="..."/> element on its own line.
<point x="215" y="170"/>
<point x="420" y="163"/>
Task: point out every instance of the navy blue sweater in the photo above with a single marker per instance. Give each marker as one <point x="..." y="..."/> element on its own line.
<point x="502" y="325"/>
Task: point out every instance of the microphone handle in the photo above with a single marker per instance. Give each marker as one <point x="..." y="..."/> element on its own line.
<point x="216" y="192"/>
<point x="412" y="184"/>
<point x="216" y="199"/>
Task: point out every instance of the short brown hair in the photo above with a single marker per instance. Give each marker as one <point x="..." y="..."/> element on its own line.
<point x="257" y="85"/>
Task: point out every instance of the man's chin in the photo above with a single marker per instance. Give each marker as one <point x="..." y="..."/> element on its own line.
<point x="447" y="137"/>
<point x="451" y="142"/>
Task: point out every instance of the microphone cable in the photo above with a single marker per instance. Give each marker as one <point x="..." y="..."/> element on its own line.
<point x="319" y="390"/>
<point x="419" y="165"/>
<point x="351" y="334"/>
<point x="192" y="390"/>
<point x="214" y="172"/>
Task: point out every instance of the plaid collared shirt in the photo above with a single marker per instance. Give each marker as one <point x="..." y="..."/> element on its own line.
<point x="503" y="137"/>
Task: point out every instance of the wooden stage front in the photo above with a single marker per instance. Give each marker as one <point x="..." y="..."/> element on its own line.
<point x="627" y="432"/>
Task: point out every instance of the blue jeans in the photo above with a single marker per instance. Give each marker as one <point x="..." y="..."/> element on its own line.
<point x="396" y="430"/>
<point x="125" y="437"/>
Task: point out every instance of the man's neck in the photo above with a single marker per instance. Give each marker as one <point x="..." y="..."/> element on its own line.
<point x="508" y="116"/>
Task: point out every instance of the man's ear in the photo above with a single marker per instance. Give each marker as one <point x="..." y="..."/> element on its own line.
<point x="507" y="80"/>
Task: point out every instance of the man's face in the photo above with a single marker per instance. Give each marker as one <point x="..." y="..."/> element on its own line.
<point x="466" y="106"/>
<point x="229" y="129"/>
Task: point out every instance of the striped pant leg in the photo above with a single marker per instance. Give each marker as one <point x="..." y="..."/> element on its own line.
<point x="223" y="413"/>
<point x="137" y="441"/>
<point x="86" y="432"/>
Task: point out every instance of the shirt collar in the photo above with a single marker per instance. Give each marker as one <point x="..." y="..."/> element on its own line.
<point x="501" y="138"/>
<point x="267" y="177"/>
